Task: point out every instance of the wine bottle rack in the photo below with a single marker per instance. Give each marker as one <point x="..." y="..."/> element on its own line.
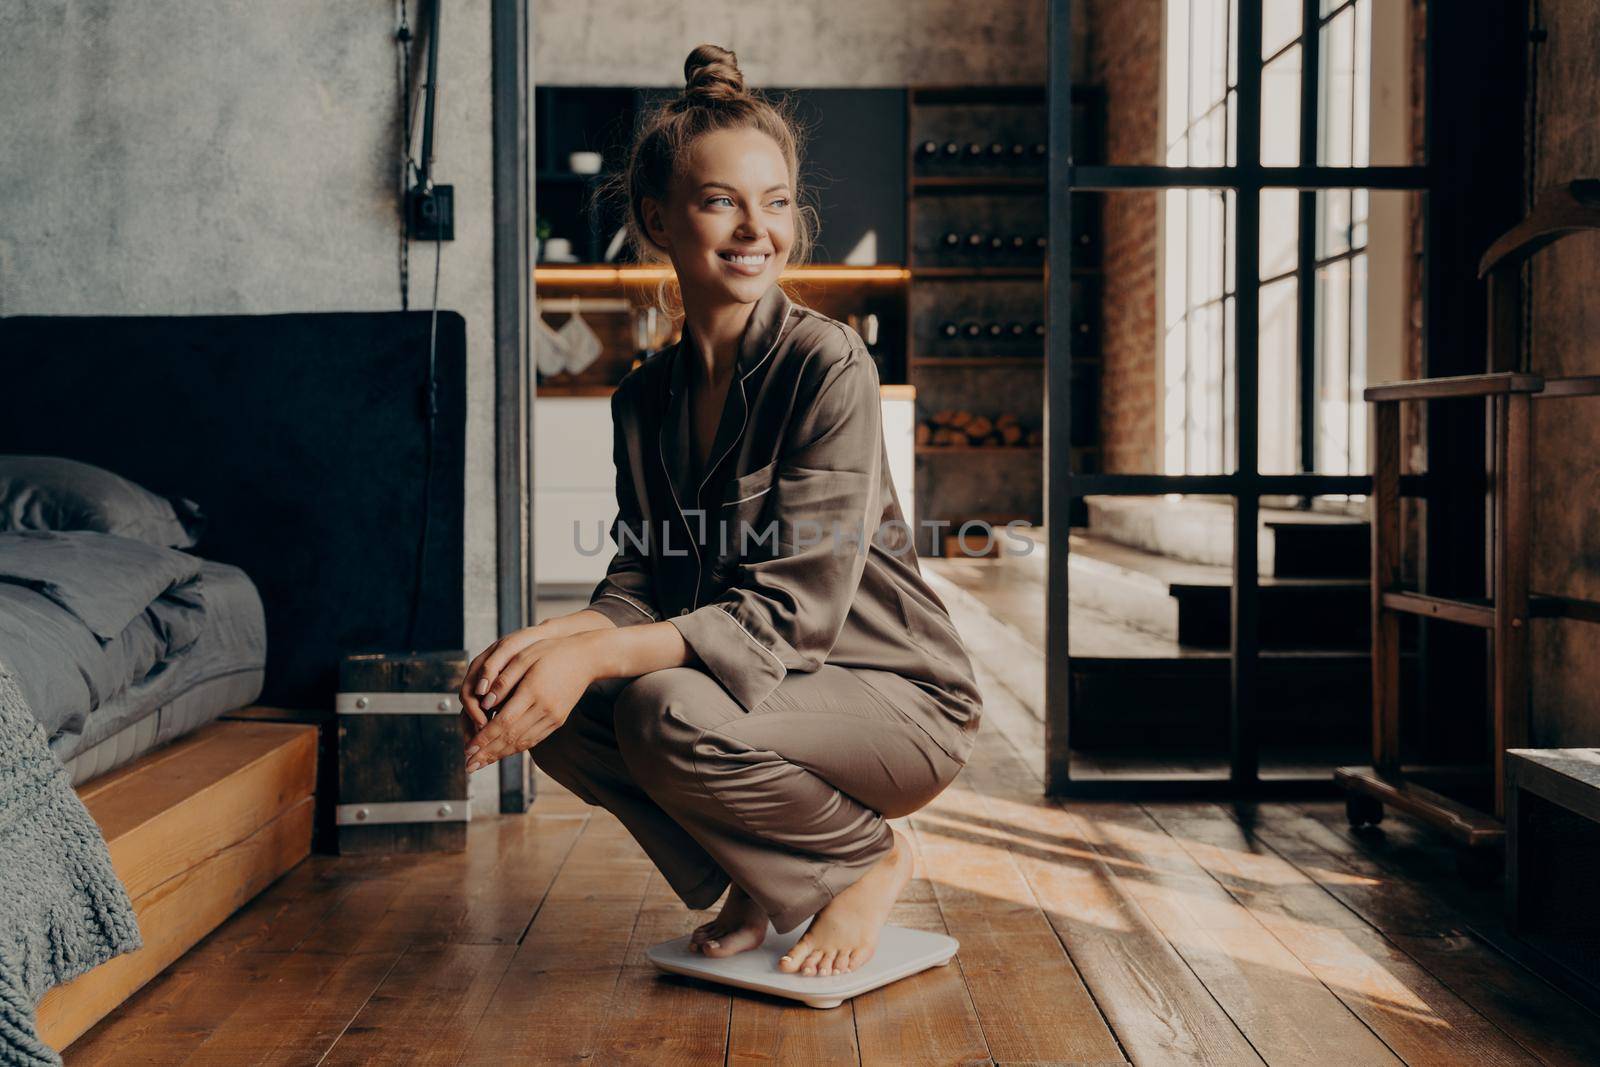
<point x="976" y="227"/>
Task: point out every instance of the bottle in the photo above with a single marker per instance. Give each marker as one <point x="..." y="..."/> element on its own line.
<point x="972" y="329"/>
<point x="1039" y="150"/>
<point x="995" y="329"/>
<point x="996" y="243"/>
<point x="1038" y="329"/>
<point x="996" y="149"/>
<point x="952" y="239"/>
<point x="1018" y="150"/>
<point x="974" y="241"/>
<point x="1019" y="243"/>
<point x="951" y="149"/>
<point x="1017" y="329"/>
<point x="974" y="150"/>
<point x="949" y="329"/>
<point x="929" y="148"/>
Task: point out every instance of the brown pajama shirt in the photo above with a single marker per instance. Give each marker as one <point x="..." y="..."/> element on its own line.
<point x="831" y="690"/>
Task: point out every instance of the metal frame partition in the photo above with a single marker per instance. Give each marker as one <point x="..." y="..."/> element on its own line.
<point x="1246" y="485"/>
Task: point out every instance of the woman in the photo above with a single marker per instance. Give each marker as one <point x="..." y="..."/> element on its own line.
<point x="753" y="690"/>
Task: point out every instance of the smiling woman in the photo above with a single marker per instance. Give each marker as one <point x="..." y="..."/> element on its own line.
<point x="753" y="714"/>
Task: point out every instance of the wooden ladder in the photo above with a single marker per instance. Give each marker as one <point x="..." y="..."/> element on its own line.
<point x="1508" y="394"/>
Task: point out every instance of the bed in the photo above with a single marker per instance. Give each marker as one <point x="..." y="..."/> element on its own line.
<point x="327" y="456"/>
<point x="119" y="637"/>
<point x="223" y="671"/>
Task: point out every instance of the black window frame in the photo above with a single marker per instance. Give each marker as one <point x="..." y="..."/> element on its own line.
<point x="1246" y="485"/>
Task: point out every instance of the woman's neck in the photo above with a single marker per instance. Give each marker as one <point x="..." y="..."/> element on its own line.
<point x="712" y="336"/>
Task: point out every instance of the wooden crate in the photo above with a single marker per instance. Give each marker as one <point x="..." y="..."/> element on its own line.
<point x="402" y="775"/>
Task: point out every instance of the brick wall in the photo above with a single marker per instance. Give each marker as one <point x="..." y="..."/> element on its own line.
<point x="1124" y="55"/>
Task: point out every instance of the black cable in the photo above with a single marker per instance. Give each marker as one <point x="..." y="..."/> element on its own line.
<point x="403" y="36"/>
<point x="411" y="172"/>
<point x="427" y="473"/>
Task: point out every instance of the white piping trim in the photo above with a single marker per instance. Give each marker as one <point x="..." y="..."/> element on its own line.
<point x="631" y="603"/>
<point x="741" y="500"/>
<point x="740" y="627"/>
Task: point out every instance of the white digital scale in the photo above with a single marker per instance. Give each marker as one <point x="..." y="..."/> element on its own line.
<point x="901" y="952"/>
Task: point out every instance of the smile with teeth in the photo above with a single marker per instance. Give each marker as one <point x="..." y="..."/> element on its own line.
<point x="749" y="261"/>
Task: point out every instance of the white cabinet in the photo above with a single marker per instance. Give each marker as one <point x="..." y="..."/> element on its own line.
<point x="575" y="489"/>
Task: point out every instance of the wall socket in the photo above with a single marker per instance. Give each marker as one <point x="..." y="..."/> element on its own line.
<point x="431" y="215"/>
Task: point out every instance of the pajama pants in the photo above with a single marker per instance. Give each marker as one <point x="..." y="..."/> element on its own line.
<point x="790" y="801"/>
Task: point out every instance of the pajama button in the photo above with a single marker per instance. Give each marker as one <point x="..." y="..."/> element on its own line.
<point x="685" y="611"/>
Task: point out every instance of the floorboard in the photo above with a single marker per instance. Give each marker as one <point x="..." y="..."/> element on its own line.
<point x="1092" y="933"/>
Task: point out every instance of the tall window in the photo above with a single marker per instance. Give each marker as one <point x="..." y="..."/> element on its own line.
<point x="1312" y="415"/>
<point x="1197" y="287"/>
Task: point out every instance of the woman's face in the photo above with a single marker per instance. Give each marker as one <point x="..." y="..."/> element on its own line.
<point x="730" y="219"/>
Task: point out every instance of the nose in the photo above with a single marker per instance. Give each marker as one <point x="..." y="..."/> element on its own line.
<point x="750" y="229"/>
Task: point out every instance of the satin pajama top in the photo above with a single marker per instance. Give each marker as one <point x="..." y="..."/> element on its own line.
<point x="791" y="550"/>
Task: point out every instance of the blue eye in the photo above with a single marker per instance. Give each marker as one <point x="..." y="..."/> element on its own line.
<point x="714" y="199"/>
<point x="781" y="200"/>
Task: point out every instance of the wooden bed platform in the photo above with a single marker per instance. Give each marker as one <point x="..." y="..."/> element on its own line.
<point x="195" y="828"/>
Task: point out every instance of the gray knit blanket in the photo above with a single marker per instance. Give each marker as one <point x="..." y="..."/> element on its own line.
<point x="62" y="908"/>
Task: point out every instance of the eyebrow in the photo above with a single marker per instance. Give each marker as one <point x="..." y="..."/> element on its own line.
<point x="725" y="185"/>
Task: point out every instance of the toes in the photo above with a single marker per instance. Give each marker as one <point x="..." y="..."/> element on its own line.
<point x="826" y="966"/>
<point x="843" y="965"/>
<point x="796" y="956"/>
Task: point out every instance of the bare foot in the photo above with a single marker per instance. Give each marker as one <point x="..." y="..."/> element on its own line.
<point x="741" y="925"/>
<point x="844" y="934"/>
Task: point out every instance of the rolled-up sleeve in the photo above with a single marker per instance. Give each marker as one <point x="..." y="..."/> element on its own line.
<point x="785" y="613"/>
<point x="626" y="595"/>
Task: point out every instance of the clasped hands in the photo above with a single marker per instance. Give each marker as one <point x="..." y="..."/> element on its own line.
<point x="529" y="681"/>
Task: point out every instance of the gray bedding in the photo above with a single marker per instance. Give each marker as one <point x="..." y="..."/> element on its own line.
<point x="103" y="632"/>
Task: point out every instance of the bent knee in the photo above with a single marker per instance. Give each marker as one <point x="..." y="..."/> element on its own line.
<point x="654" y="714"/>
<point x="639" y="711"/>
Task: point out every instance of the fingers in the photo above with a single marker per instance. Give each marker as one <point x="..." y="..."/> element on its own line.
<point x="473" y="713"/>
<point x="469" y="699"/>
<point x="501" y="653"/>
<point x="509" y="733"/>
<point x="506" y="678"/>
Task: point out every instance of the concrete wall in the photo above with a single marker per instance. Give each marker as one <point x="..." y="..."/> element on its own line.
<point x="1564" y="322"/>
<point x="238" y="157"/>
<point x="802" y="43"/>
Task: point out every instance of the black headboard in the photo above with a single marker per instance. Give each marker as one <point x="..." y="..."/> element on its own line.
<point x="304" y="439"/>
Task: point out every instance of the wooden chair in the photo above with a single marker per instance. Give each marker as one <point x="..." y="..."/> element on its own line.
<point x="1508" y="392"/>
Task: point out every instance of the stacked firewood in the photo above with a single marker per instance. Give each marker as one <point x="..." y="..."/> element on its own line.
<point x="963" y="429"/>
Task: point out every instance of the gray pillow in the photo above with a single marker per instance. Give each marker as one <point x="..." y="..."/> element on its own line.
<point x="54" y="493"/>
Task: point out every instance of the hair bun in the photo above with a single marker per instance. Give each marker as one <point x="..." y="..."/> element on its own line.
<point x="711" y="74"/>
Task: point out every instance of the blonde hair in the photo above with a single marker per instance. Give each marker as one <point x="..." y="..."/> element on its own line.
<point x="714" y="98"/>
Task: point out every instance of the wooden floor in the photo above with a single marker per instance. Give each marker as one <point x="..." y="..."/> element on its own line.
<point x="1090" y="933"/>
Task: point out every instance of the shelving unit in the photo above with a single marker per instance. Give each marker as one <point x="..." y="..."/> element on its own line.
<point x="991" y="188"/>
<point x="1509" y="394"/>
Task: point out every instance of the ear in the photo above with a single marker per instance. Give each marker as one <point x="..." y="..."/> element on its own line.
<point x="655" y="224"/>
